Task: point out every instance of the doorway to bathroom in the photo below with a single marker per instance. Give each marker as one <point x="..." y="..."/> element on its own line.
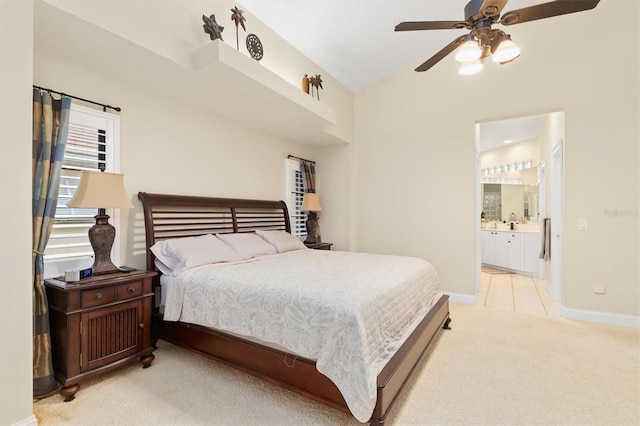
<point x="512" y="202"/>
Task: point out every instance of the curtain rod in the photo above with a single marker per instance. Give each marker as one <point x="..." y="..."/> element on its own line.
<point x="104" y="107"/>
<point x="301" y="159"/>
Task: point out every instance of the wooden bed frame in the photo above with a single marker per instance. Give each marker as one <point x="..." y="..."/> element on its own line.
<point x="173" y="216"/>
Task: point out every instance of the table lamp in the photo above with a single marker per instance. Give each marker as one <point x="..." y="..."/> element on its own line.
<point x="100" y="190"/>
<point x="311" y="204"/>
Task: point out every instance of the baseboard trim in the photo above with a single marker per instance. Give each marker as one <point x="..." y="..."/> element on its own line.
<point x="464" y="299"/>
<point x="629" y="321"/>
<point x="29" y="421"/>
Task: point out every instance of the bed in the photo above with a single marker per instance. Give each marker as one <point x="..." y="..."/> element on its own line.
<point x="296" y="368"/>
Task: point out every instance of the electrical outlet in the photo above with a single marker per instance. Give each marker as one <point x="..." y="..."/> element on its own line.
<point x="582" y="224"/>
<point x="599" y="289"/>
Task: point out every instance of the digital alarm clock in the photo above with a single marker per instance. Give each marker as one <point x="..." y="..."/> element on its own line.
<point x="78" y="274"/>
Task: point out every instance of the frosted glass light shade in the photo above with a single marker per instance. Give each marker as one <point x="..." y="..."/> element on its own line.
<point x="472" y="67"/>
<point x="507" y="51"/>
<point x="100" y="190"/>
<point x="468" y="51"/>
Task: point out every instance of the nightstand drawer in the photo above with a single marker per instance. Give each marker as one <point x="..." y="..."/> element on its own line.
<point x="130" y="290"/>
<point x="98" y="296"/>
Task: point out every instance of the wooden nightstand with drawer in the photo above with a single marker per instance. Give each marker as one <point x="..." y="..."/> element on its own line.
<point x="98" y="324"/>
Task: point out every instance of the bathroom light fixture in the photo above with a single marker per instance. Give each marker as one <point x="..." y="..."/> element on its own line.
<point x="508" y="141"/>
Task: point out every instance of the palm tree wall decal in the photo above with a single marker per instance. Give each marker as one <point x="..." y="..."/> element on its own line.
<point x="236" y="16"/>
<point x="316" y="81"/>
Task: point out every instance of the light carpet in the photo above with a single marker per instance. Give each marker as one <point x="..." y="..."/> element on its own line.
<point x="492" y="368"/>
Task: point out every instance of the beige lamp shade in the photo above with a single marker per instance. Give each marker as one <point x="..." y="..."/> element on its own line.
<point x="100" y="190"/>
<point x="311" y="203"/>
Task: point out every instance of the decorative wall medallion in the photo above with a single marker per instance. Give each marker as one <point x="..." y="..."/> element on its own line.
<point x="254" y="46"/>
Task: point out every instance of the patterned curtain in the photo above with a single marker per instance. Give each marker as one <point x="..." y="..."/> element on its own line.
<point x="50" y="130"/>
<point x="309" y="170"/>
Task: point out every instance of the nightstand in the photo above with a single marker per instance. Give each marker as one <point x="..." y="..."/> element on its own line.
<point x="98" y="324"/>
<point x="319" y="246"/>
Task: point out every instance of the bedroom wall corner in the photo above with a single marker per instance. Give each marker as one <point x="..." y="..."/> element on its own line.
<point x="413" y="150"/>
<point x="162" y="131"/>
<point x="16" y="72"/>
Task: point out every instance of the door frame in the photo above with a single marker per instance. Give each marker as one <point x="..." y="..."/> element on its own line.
<point x="554" y="287"/>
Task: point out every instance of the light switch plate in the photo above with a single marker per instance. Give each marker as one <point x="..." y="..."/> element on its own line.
<point x="582" y="224"/>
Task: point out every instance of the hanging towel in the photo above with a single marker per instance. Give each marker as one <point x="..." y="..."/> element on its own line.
<point x="545" y="239"/>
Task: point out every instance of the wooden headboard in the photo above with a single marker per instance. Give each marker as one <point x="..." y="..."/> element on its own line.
<point x="173" y="216"/>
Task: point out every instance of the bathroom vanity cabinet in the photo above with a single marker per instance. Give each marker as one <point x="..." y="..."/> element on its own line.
<point x="513" y="250"/>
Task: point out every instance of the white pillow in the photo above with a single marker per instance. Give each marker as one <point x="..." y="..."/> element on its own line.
<point x="281" y="240"/>
<point x="178" y="254"/>
<point x="247" y="245"/>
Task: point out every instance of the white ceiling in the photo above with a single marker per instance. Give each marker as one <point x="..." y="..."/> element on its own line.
<point x="493" y="134"/>
<point x="354" y="40"/>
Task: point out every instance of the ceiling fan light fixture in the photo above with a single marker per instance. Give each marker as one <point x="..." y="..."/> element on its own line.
<point x="507" y="50"/>
<point x="469" y="50"/>
<point x="471" y="67"/>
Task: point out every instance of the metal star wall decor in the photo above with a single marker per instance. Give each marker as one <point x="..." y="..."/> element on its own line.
<point x="211" y="27"/>
<point x="236" y="16"/>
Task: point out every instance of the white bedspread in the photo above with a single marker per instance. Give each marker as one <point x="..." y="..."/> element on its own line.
<point x="349" y="311"/>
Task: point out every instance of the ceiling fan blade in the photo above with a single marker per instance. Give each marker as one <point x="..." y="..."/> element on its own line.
<point x="547" y="10"/>
<point x="441" y="54"/>
<point x="431" y="25"/>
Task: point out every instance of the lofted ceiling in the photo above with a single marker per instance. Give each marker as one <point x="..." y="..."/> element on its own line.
<point x="354" y="40"/>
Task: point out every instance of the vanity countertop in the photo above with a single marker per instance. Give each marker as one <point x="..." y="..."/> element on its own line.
<point x="530" y="228"/>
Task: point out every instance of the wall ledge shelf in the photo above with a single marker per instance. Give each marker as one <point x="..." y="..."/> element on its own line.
<point x="254" y="94"/>
<point x="214" y="78"/>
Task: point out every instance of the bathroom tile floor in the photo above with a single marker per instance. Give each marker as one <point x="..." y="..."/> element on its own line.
<point x="516" y="293"/>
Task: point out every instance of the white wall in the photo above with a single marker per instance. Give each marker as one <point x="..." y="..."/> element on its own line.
<point x="171" y="146"/>
<point x="414" y="154"/>
<point x="16" y="45"/>
<point x="166" y="146"/>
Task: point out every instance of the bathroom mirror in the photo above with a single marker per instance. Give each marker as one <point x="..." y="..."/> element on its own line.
<point x="499" y="200"/>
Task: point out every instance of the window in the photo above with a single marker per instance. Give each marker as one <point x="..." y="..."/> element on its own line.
<point x="492" y="202"/>
<point x="295" y="188"/>
<point x="92" y="145"/>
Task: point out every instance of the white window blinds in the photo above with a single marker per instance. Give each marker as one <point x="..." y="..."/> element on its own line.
<point x="91" y="145"/>
<point x="295" y="191"/>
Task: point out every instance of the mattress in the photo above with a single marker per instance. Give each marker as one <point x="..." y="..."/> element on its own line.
<point x="348" y="311"/>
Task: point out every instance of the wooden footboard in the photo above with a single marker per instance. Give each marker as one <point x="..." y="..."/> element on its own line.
<point x="300" y="375"/>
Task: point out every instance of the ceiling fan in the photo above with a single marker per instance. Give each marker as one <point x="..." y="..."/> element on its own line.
<point x="483" y="40"/>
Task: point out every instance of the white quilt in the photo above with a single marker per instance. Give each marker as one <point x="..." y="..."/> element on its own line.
<point x="349" y="311"/>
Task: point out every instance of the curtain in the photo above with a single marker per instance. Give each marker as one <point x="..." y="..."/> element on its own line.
<point x="50" y="130"/>
<point x="309" y="170"/>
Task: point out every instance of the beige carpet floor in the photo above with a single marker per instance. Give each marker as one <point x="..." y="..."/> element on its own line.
<point x="492" y="368"/>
